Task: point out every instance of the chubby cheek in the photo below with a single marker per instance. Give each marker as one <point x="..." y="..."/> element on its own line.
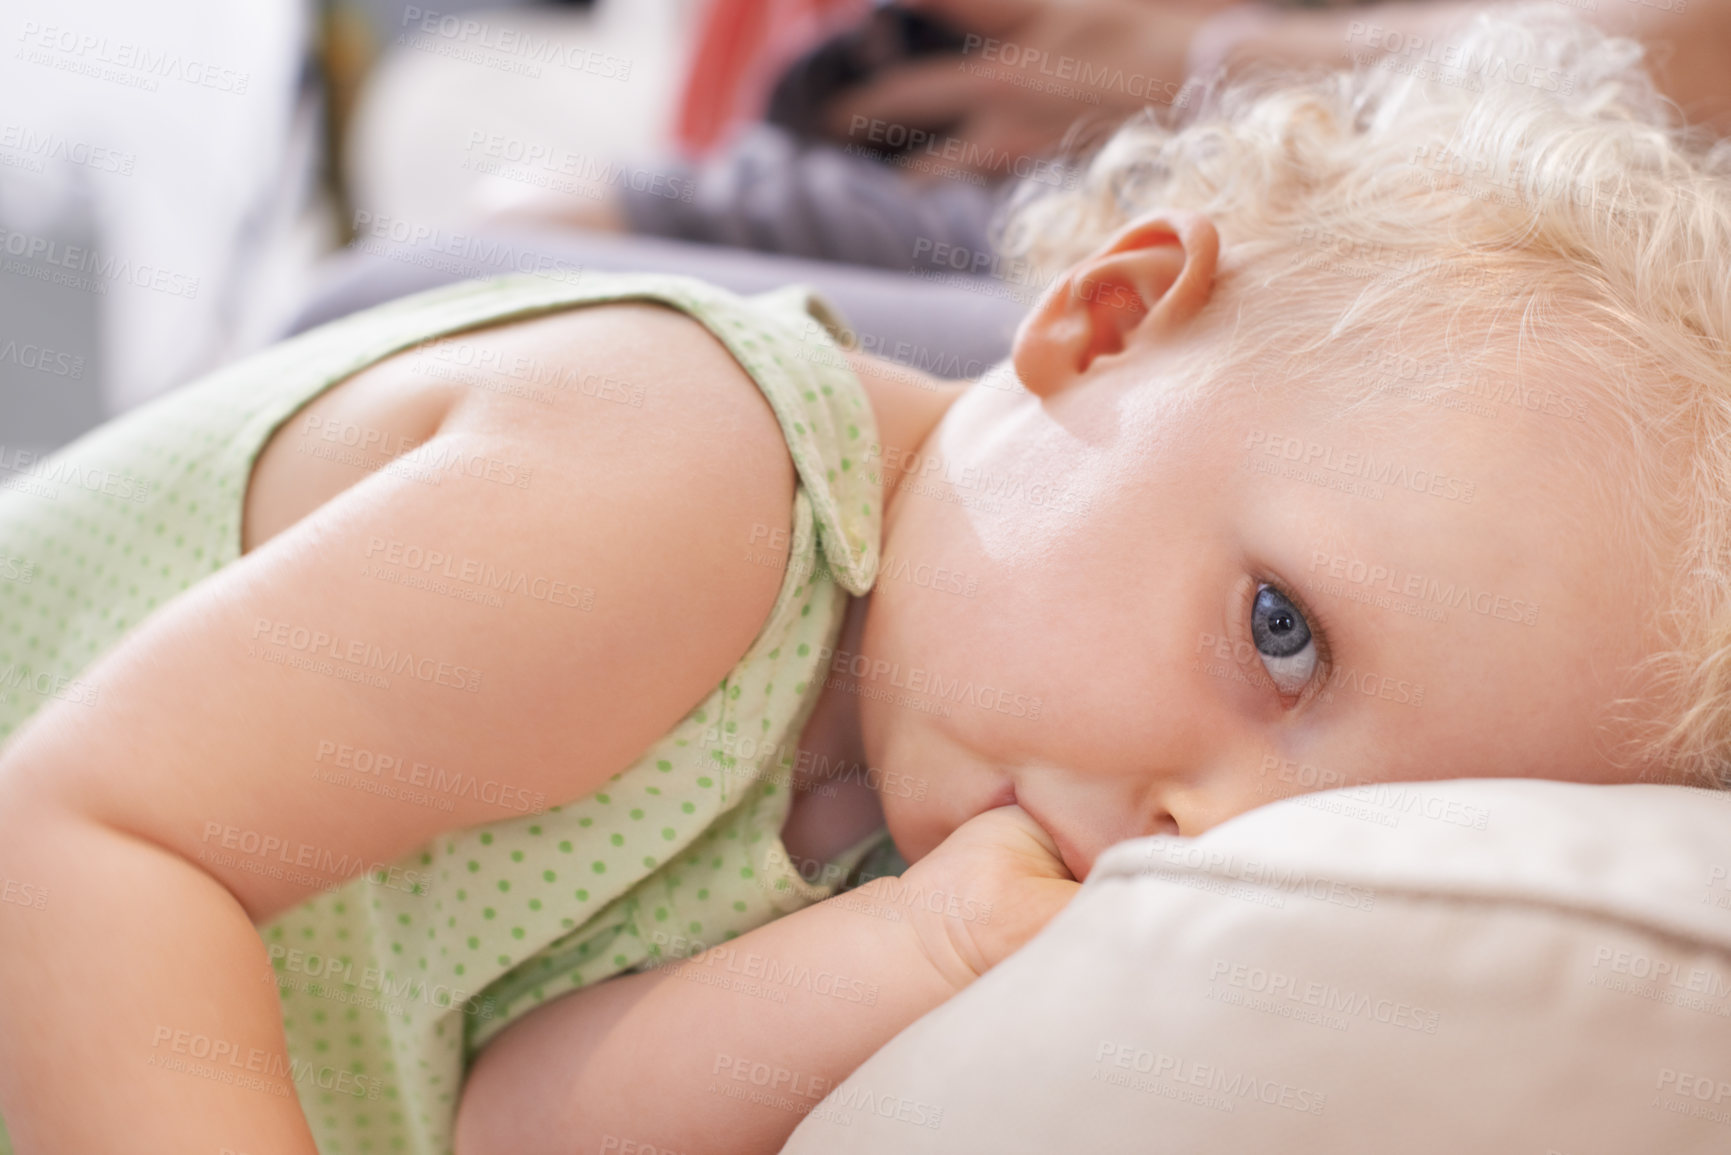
<point x="955" y="638"/>
<point x="916" y="824"/>
<point x="902" y="740"/>
<point x="952" y="691"/>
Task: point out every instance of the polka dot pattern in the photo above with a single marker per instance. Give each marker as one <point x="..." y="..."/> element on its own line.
<point x="396" y="986"/>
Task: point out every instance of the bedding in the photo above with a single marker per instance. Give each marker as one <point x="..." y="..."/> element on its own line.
<point x="1465" y="966"/>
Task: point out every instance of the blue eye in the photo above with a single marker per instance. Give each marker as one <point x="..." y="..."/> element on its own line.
<point x="1283" y="640"/>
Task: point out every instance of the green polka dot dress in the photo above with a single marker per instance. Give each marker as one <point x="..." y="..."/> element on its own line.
<point x="390" y="984"/>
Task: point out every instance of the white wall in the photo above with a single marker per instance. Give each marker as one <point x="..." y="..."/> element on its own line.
<point x="157" y="165"/>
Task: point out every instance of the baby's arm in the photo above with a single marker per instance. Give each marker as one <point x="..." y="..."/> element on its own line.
<point x="669" y="1059"/>
<point x="132" y="1015"/>
<point x="651" y="1057"/>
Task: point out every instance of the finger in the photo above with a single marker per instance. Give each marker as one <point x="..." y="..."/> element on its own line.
<point x="999" y="148"/>
<point x="925" y="93"/>
<point x="1003" y="146"/>
<point x="1033" y="832"/>
<point x="990" y="17"/>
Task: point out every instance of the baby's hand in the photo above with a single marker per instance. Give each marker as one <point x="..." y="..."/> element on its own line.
<point x="987" y="889"/>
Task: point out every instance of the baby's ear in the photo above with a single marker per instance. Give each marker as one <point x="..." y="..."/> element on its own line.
<point x="1138" y="289"/>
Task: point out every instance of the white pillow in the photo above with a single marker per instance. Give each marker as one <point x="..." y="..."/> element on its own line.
<point x="1460" y="967"/>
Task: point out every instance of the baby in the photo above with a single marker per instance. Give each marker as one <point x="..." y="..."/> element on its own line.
<point x="1371" y="428"/>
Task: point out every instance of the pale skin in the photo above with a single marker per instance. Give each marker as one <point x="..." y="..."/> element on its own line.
<point x="1096" y="609"/>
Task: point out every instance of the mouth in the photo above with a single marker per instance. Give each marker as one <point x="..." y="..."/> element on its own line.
<point x="1074" y="861"/>
<point x="1006" y="796"/>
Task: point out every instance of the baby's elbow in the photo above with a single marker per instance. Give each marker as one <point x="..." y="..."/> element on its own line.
<point x="32" y="822"/>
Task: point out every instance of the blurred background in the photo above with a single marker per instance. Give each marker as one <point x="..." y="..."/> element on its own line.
<point x="185" y="181"/>
<point x="174" y="175"/>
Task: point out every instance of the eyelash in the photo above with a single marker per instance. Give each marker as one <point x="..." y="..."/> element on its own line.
<point x="1319" y="630"/>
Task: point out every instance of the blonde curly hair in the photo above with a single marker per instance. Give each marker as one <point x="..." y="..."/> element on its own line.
<point x="1522" y="194"/>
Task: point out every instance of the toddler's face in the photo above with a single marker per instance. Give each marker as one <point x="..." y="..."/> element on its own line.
<point x="1141" y="618"/>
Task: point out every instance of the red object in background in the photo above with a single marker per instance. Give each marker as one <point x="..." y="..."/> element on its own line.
<point x="742" y="47"/>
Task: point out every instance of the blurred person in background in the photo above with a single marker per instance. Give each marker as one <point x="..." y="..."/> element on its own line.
<point x="906" y="161"/>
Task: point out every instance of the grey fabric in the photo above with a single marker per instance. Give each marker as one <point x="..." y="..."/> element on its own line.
<point x="954" y="327"/>
<point x="774" y="194"/>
